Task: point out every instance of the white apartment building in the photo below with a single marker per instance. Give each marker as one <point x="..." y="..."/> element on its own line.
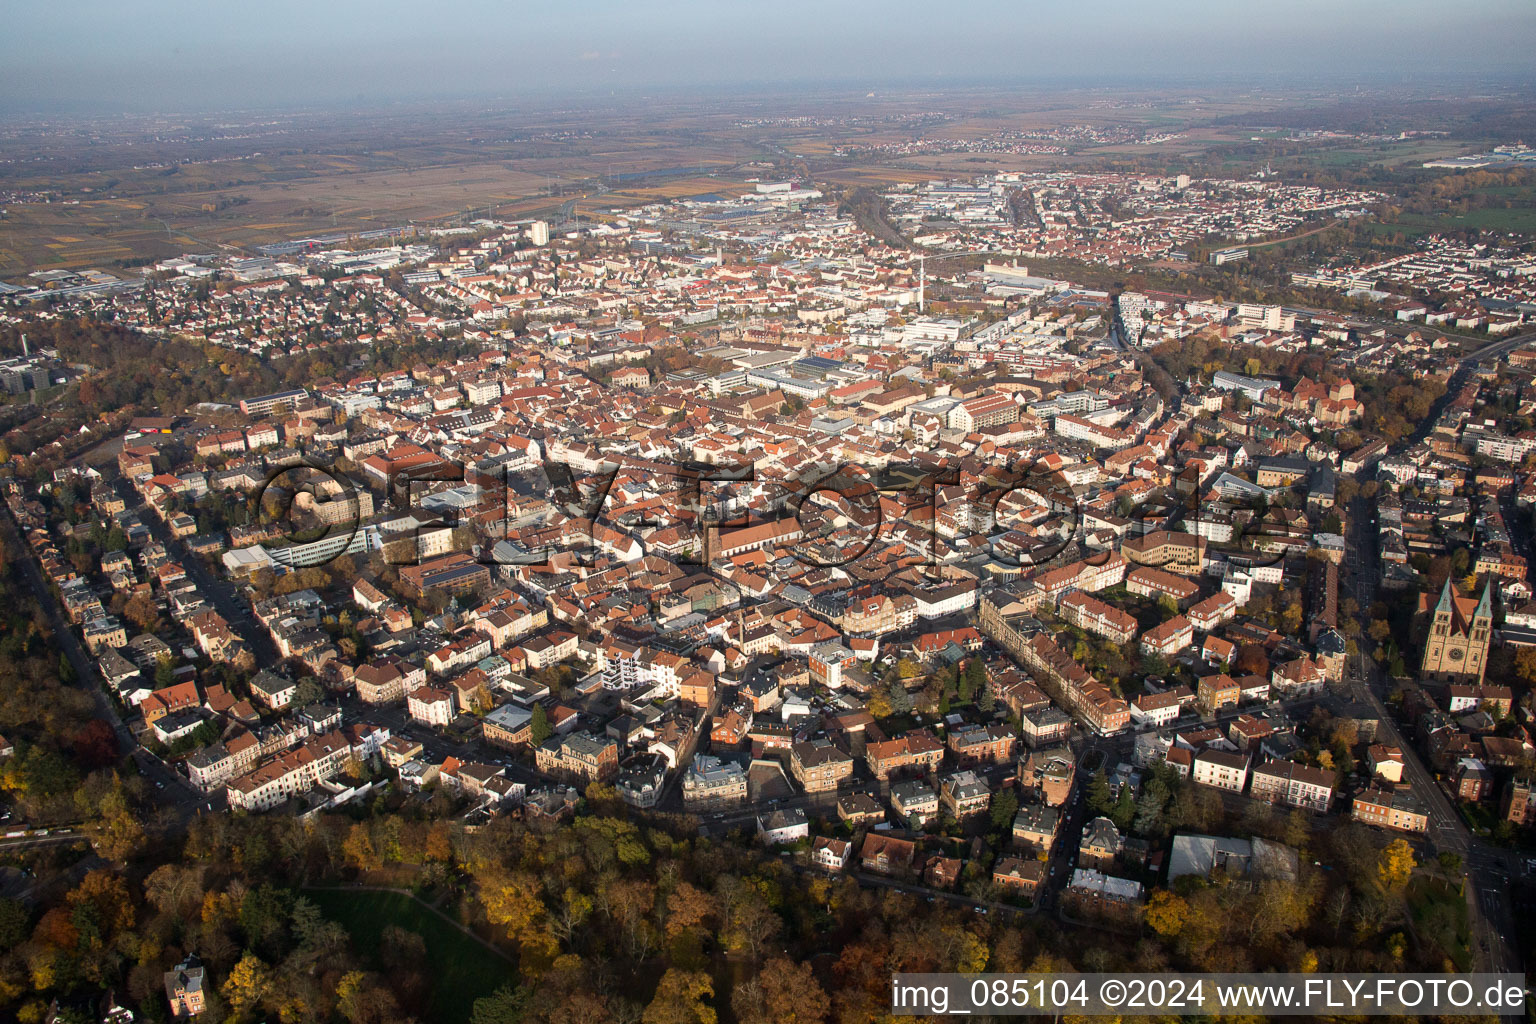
<point x="289" y="774"/>
<point x="430" y="705"/>
<point x="1079" y="429"/>
<point x="1157" y="709"/>
<point x="1221" y="770"/>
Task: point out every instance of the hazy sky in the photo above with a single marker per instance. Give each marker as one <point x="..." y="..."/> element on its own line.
<point x="210" y="54"/>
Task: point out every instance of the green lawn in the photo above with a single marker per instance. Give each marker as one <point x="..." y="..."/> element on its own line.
<point x="1478" y="818"/>
<point x="1521" y="219"/>
<point x="1439" y="915"/>
<point x="461" y="968"/>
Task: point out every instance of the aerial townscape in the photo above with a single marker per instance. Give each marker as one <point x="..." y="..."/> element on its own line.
<point x="663" y="557"/>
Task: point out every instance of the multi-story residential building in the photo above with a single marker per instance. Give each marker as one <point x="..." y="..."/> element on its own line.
<point x="1044" y="727"/>
<point x="398" y="750"/>
<point x="263" y="405"/>
<point x="819" y="765"/>
<point x="642" y="779"/>
<point x="455" y="573"/>
<point x="711" y="783"/>
<point x="1157" y="708"/>
<point x="459" y="653"/>
<point x="828" y="663"/>
<point x="289" y="774"/>
<point x="1167" y="550"/>
<point x="1048" y="774"/>
<point x="697" y="688"/>
<point x="1035" y="827"/>
<point x="1385" y="762"/>
<point x="1218" y="691"/>
<point x="1096" y="616"/>
<point x="1169" y="638"/>
<point x="216" y="764"/>
<point x="917" y="750"/>
<point x="831" y="854"/>
<point x="505" y="625"/>
<point x="103" y="634"/>
<point x="509" y="727"/>
<point x="1091" y="891"/>
<point x="1071" y="684"/>
<point x="184" y="988"/>
<point x="430" y="705"/>
<point x="1145" y="581"/>
<point x="1090" y="575"/>
<point x="1019" y="876"/>
<point x="915" y="802"/>
<point x="1298" y="677"/>
<point x="1297" y="785"/>
<point x="1100" y="845"/>
<point x="788" y="825"/>
<point x="273" y="690"/>
<point x="963" y="794"/>
<point x="1390" y="807"/>
<point x="1220" y="769"/>
<point x="876" y="614"/>
<point x="1460" y="698"/>
<point x="981" y="744"/>
<point x="578" y="755"/>
<point x="1211" y="612"/>
<point x="550" y="648"/>
<point x="886" y="854"/>
<point x="387" y="680"/>
<point x="169" y="700"/>
<point x="1096" y="434"/>
<point x="1471" y="779"/>
<point x="856" y="809"/>
<point x="983" y="411"/>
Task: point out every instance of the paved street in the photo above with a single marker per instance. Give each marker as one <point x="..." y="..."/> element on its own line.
<point x="177" y="793"/>
<point x="226" y="598"/>
<point x="63" y="631"/>
<point x="1489" y="869"/>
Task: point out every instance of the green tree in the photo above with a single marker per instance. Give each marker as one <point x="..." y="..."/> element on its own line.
<point x="13" y="923"/>
<point x="1123" y="809"/>
<point x="538" y="727"/>
<point x="973" y="680"/>
<point x="507" y="1005"/>
<point x="1005" y="805"/>
<point x="307" y="692"/>
<point x="1100" y="799"/>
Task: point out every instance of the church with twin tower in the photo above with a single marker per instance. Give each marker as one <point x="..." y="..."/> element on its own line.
<point x="1460" y="630"/>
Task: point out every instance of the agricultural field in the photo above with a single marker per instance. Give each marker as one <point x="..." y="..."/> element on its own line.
<point x="117" y="202"/>
<point x="1516" y="221"/>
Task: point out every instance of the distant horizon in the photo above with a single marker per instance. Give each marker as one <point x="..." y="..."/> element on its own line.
<point x="94" y="58"/>
<point x="1467" y="86"/>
